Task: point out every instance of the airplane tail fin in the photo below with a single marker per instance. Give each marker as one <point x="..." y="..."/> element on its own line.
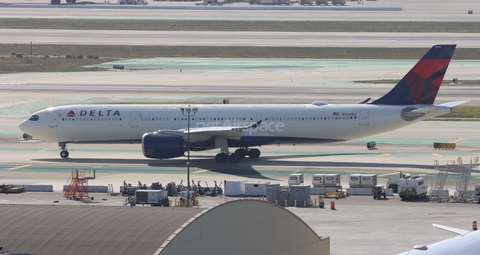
<point x="420" y="85"/>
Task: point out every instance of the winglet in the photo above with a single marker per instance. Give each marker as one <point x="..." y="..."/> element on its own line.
<point x="421" y="84"/>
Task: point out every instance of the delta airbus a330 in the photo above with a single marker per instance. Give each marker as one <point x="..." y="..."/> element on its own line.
<point x="163" y="129"/>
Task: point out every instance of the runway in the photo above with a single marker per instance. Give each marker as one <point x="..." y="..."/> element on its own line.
<point x="255" y="39"/>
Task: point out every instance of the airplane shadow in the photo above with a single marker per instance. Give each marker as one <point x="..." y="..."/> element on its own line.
<point x="244" y="168"/>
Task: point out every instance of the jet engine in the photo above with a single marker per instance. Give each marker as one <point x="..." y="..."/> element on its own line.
<point x="157" y="145"/>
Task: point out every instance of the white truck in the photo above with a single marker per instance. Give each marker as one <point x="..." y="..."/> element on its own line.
<point x="412" y="187"/>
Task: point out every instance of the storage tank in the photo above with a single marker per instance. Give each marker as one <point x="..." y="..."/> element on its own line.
<point x="295" y="179"/>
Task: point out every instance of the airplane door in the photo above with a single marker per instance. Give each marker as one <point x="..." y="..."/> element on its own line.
<point x="363" y="118"/>
<point x="134" y="119"/>
<point x="54" y="119"/>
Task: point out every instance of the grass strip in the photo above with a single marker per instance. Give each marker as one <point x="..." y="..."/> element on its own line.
<point x="462" y="112"/>
<point x="242" y="25"/>
<point x="119" y="51"/>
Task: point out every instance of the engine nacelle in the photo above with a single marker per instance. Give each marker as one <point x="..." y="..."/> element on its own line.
<point x="156" y="145"/>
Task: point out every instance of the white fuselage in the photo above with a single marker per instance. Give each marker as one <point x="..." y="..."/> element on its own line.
<point x="312" y="123"/>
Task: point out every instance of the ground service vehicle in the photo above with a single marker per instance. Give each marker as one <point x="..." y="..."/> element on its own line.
<point x="379" y="191"/>
<point x="413" y="187"/>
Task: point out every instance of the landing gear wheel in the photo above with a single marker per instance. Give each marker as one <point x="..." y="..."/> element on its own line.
<point x="221" y="157"/>
<point x="64" y="154"/>
<point x="241" y="152"/>
<point x="234" y="158"/>
<point x="254" y="153"/>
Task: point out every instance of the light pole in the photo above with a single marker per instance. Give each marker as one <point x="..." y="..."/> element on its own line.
<point x="187" y="112"/>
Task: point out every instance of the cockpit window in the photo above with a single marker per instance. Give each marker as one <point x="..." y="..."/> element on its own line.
<point x="34" y="117"/>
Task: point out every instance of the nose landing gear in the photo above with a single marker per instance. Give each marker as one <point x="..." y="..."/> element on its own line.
<point x="64" y="153"/>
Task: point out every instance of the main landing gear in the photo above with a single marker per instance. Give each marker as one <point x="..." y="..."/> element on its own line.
<point x="64" y="153"/>
<point x="238" y="155"/>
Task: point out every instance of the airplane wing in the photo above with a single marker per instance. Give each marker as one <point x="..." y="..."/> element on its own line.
<point x="198" y="134"/>
<point x="454" y="230"/>
<point x="467" y="243"/>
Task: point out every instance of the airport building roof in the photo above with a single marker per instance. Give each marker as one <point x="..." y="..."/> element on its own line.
<point x="38" y="229"/>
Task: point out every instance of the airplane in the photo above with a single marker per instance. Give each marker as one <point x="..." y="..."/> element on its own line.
<point x="467" y="243"/>
<point x="168" y="131"/>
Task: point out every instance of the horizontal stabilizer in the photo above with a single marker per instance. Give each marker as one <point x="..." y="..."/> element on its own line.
<point x="420" y="111"/>
<point x="454" y="103"/>
<point x="454" y="230"/>
<point x="364" y="101"/>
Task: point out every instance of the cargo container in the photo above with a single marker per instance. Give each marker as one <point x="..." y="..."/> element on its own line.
<point x="317" y="180"/>
<point x="272" y="192"/>
<point x="256" y="188"/>
<point x="362" y="180"/>
<point x="369" y="181"/>
<point x="329" y="180"/>
<point x="307" y="2"/>
<point x="332" y="180"/>
<point x="300" y="194"/>
<point x="340" y="2"/>
<point x="184" y="195"/>
<point x="264" y="2"/>
<point x="285" y="2"/>
<point x="235" y="188"/>
<point x="320" y="2"/>
<point x="152" y="197"/>
<point x="295" y="179"/>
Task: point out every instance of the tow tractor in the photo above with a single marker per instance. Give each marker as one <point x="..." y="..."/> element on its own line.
<point x="379" y="191"/>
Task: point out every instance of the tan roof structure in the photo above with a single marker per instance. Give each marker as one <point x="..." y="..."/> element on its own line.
<point x="246" y="227"/>
<point x="38" y="229"/>
<point x="236" y="227"/>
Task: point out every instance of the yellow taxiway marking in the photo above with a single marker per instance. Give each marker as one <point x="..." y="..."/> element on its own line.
<point x="437" y="155"/>
<point x="383" y="155"/>
<point x="200" y="171"/>
<point x="17" y="167"/>
<point x="458" y="140"/>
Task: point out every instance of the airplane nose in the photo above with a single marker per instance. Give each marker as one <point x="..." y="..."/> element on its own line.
<point x="24" y="126"/>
